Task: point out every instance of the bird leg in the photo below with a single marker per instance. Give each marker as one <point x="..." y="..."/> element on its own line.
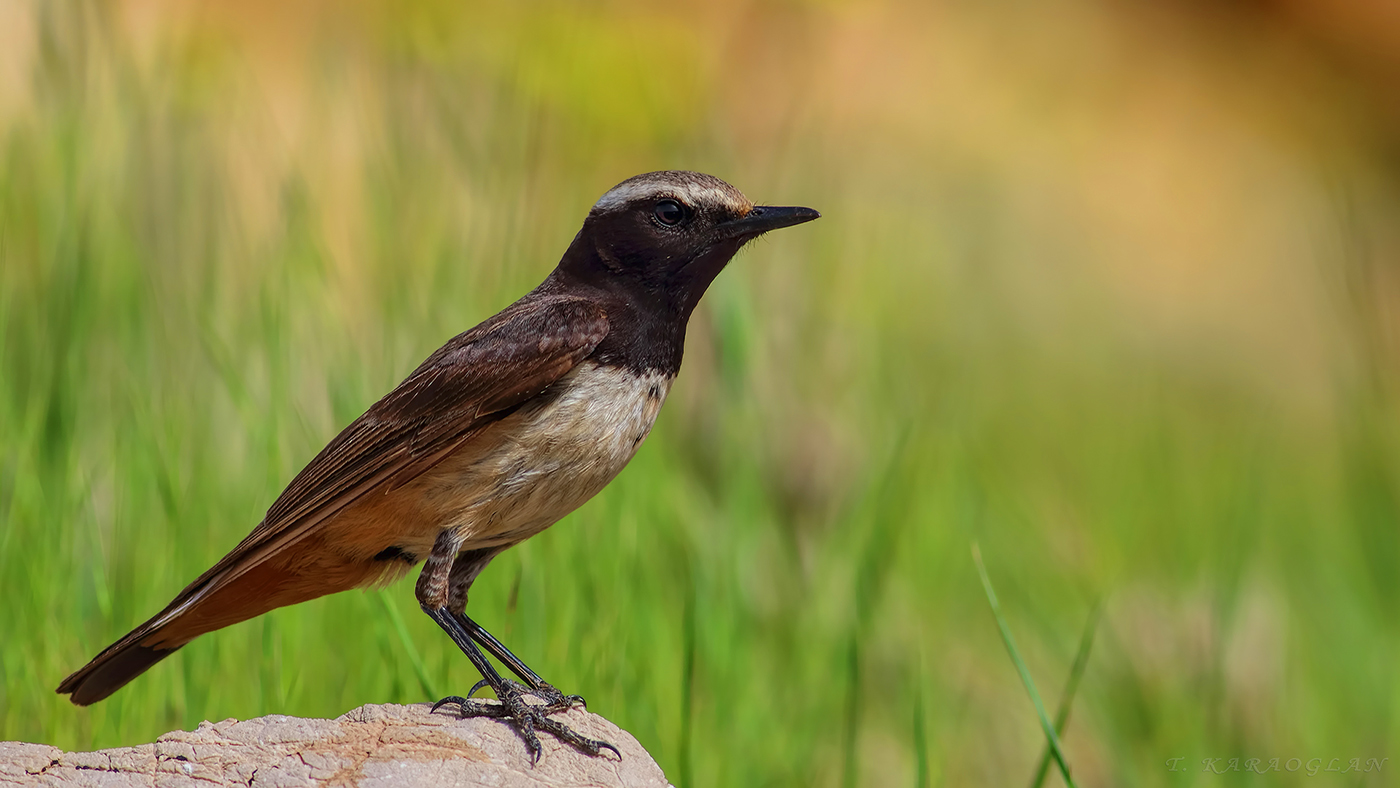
<point x="436" y="596"/>
<point x="465" y="568"/>
<point x="554" y="699"/>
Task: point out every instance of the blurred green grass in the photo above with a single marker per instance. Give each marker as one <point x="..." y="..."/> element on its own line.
<point x="205" y="274"/>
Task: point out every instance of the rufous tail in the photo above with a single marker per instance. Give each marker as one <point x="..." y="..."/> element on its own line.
<point x="217" y="604"/>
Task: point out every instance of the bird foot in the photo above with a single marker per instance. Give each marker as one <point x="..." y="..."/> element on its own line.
<point x="512" y="705"/>
<point x="554" y="700"/>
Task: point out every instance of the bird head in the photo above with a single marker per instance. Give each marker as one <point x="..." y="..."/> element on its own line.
<point x="669" y="234"/>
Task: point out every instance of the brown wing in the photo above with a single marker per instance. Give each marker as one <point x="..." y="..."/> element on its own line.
<point x="474" y="379"/>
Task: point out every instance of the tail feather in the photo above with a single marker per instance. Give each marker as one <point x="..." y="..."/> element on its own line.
<point x="134" y="654"/>
<point x="131" y="656"/>
<point x="219" y="604"/>
<point x="111" y="671"/>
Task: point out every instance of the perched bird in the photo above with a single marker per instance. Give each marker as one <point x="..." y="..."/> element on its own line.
<point x="495" y="437"/>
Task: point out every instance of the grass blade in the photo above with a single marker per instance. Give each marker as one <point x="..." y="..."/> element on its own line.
<point x="1021" y="668"/>
<point x="1076" y="671"/>
<point x="848" y="742"/>
<point x="689" y="632"/>
<point x="921" y="759"/>
<point x="414" y="659"/>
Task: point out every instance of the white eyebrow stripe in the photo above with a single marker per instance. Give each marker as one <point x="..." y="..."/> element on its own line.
<point x="621" y="195"/>
<point x="690" y="193"/>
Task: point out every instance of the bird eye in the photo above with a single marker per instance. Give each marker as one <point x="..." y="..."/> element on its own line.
<point x="669" y="213"/>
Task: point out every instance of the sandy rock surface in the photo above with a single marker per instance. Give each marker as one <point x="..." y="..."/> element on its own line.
<point x="370" y="747"/>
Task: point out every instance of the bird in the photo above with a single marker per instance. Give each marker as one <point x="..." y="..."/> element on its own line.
<point x="496" y="436"/>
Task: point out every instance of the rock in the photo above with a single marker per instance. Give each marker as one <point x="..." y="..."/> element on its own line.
<point x="369" y="747"/>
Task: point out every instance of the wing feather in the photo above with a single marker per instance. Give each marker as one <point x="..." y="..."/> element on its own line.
<point x="474" y="379"/>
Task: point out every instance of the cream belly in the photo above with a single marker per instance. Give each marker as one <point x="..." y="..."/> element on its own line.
<point x="545" y="460"/>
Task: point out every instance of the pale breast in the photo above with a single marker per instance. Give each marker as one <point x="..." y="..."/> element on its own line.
<point x="547" y="458"/>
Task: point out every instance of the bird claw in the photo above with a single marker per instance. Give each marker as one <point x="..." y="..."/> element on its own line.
<point x="529" y="717"/>
<point x="555" y="700"/>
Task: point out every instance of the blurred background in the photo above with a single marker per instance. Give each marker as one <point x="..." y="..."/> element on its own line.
<point x="1106" y="287"/>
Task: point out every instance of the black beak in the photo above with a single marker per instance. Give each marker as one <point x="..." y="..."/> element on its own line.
<point x="763" y="218"/>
